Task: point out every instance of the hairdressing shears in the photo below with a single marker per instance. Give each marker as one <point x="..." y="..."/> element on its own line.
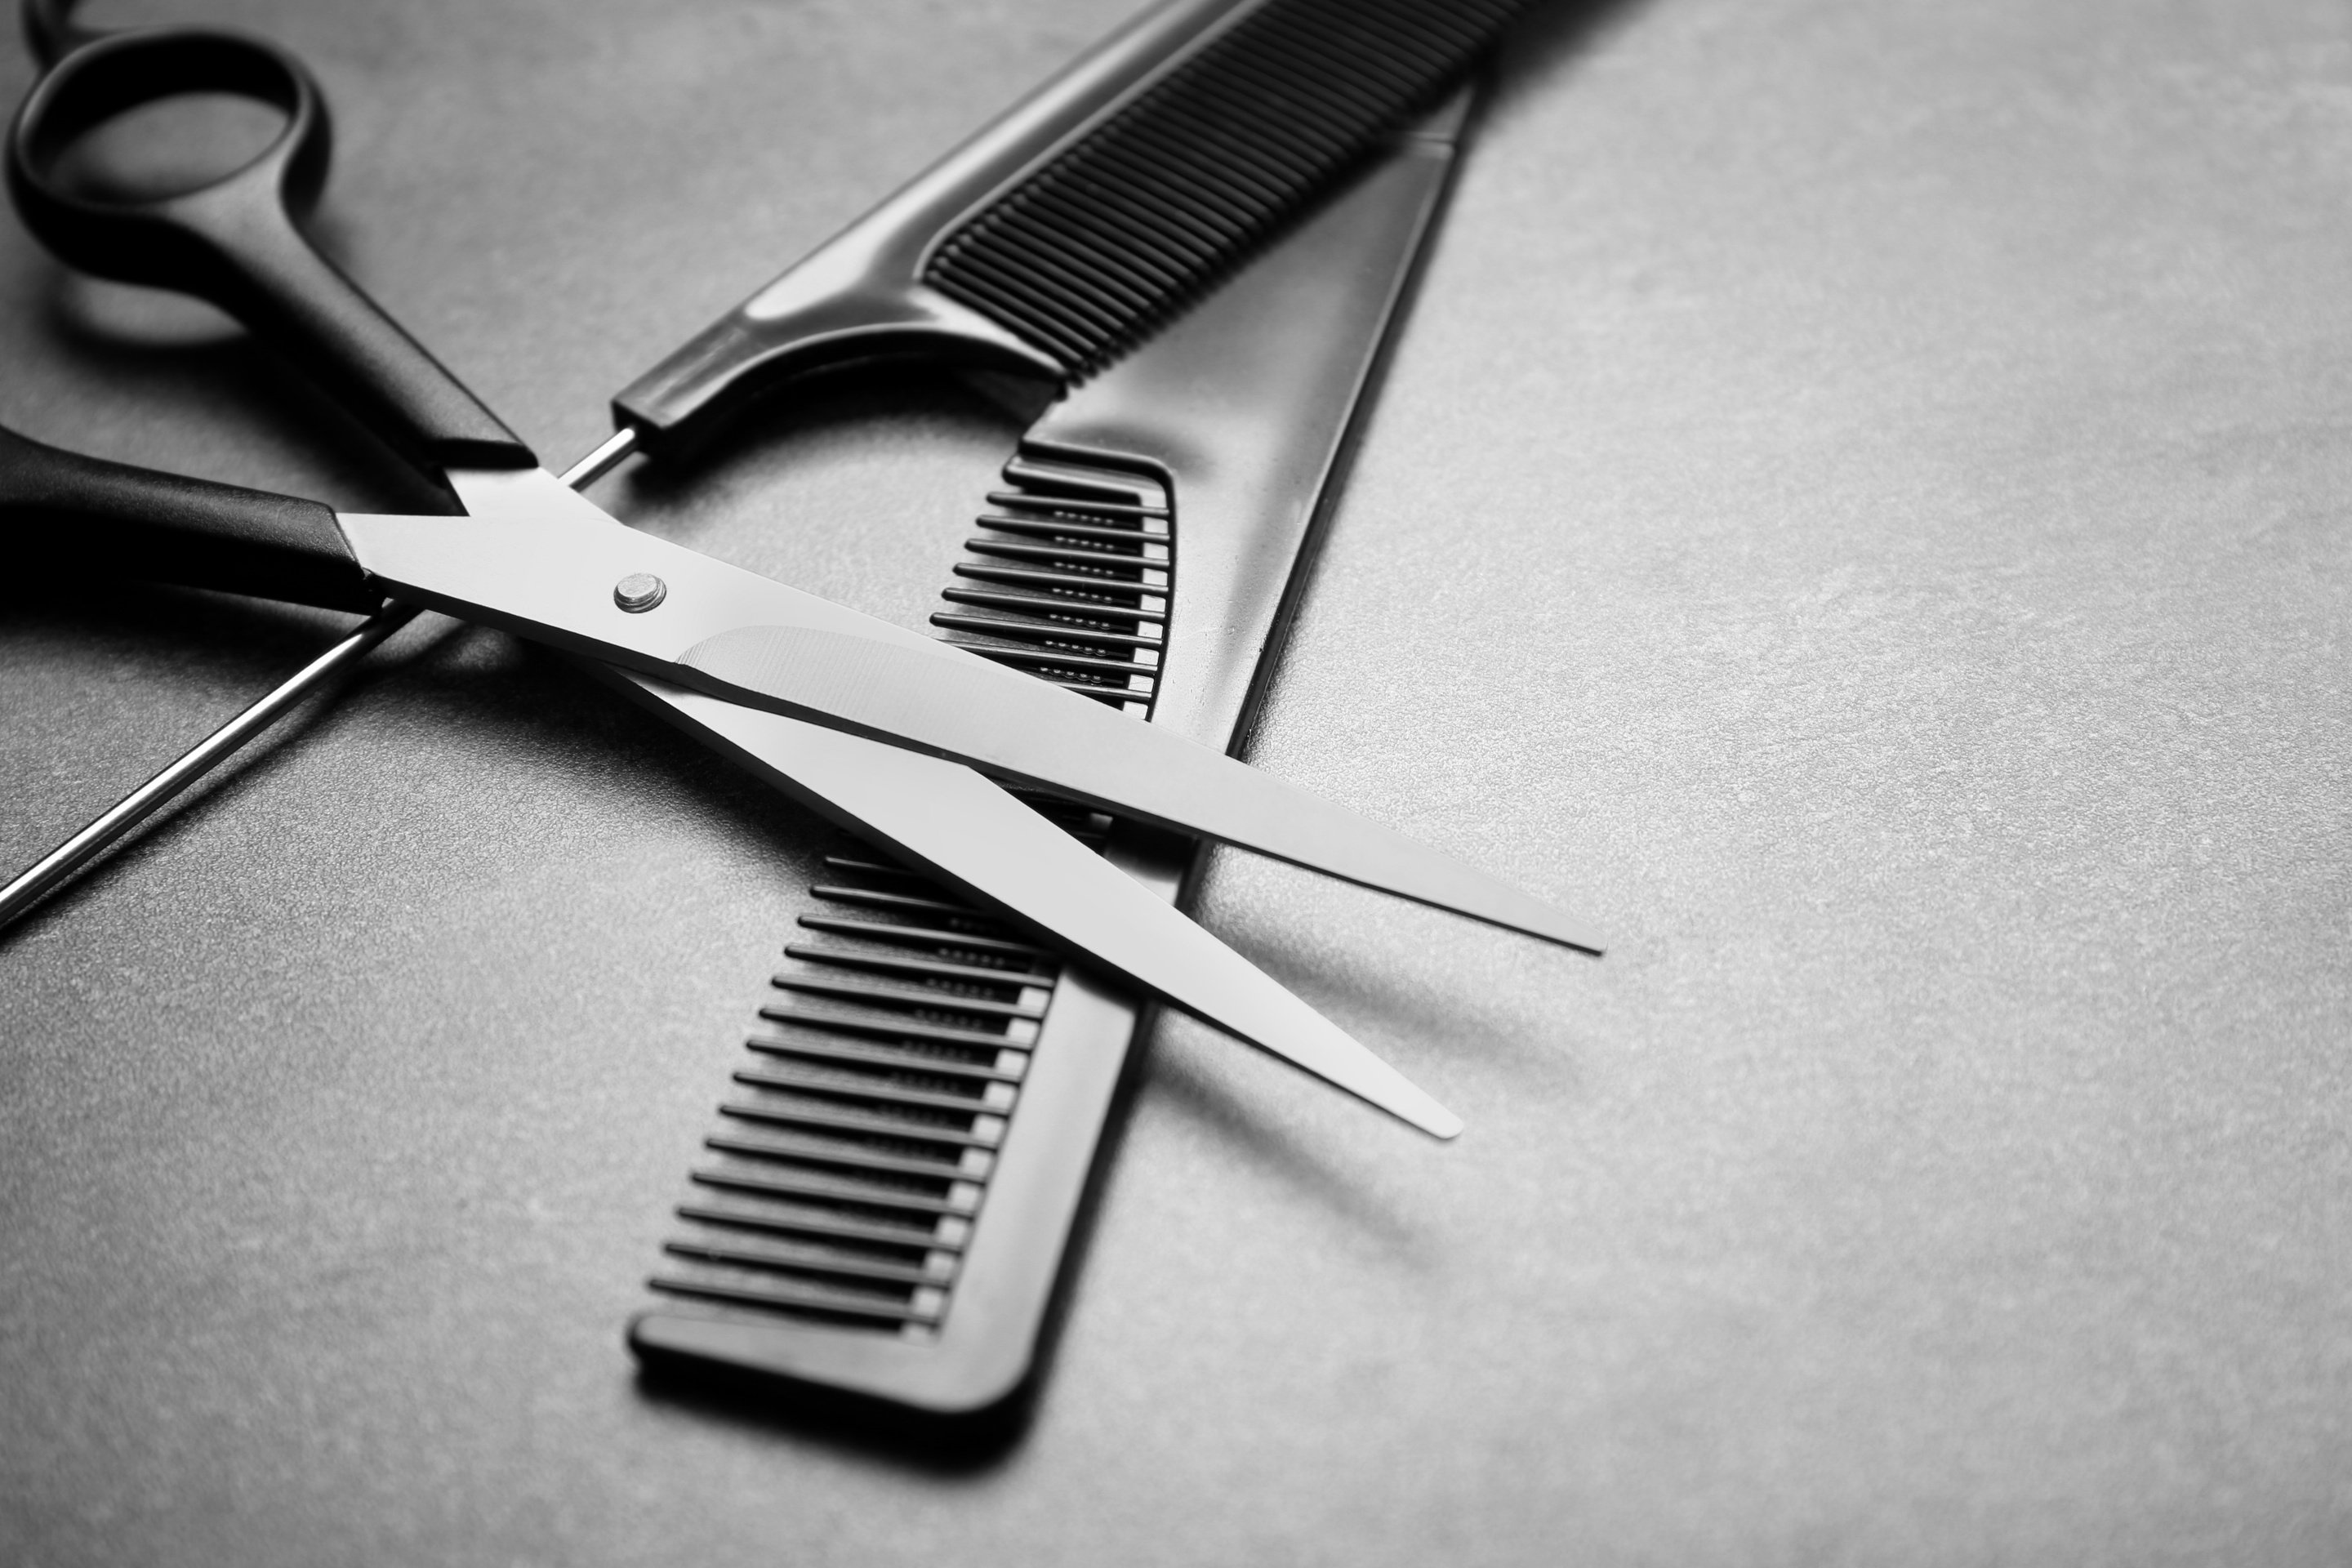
<point x="756" y="660"/>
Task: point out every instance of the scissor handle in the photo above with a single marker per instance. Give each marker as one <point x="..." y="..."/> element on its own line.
<point x="50" y="31"/>
<point x="90" y="519"/>
<point x="236" y="241"/>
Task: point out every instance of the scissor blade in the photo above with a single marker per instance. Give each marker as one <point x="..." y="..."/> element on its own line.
<point x="1010" y="726"/>
<point x="946" y="819"/>
<point x="524" y="563"/>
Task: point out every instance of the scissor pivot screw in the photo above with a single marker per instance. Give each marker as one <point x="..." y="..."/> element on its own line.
<point x="639" y="591"/>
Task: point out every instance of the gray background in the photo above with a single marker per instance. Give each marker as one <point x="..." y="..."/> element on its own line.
<point x="1861" y="508"/>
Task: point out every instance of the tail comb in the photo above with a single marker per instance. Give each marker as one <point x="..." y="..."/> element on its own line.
<point x="1089" y="252"/>
<point x="1074" y="224"/>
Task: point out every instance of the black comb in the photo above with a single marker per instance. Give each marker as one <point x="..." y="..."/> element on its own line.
<point x="888" y="1194"/>
<point x="1072" y="226"/>
<point x="1086" y="253"/>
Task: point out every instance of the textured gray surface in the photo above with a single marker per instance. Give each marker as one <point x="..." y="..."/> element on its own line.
<point x="1860" y="505"/>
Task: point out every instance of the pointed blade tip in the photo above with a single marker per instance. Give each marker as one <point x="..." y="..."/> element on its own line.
<point x="1564" y="931"/>
<point x="1424" y="1114"/>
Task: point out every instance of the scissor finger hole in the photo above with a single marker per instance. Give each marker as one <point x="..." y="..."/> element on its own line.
<point x="167" y="148"/>
<point x="142" y="118"/>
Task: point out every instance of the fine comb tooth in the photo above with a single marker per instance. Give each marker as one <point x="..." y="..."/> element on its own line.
<point x="1071" y="603"/>
<point x="837" y="1260"/>
<point x="1055" y="630"/>
<point x="1121" y="582"/>
<point x="1092" y="552"/>
<point x="1059" y="529"/>
<point x="812" y="1111"/>
<point x="886" y="963"/>
<point x="915" y="995"/>
<point x="977" y="947"/>
<point x="1043" y="482"/>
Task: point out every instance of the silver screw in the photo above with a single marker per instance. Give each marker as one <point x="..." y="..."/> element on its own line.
<point x="639" y="591"/>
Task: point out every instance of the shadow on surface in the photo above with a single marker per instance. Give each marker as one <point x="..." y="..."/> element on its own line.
<point x="1212" y="1105"/>
<point x="1547" y="39"/>
<point x="243" y="646"/>
<point x="942" y="1449"/>
<point x="1410" y="985"/>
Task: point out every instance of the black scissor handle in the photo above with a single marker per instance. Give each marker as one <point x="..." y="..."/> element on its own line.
<point x="50" y="31"/>
<point x="90" y="519"/>
<point x="234" y="241"/>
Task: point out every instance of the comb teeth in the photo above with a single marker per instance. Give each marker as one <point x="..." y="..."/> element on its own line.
<point x="1073" y="586"/>
<point x="1092" y="250"/>
<point x="851" y="1164"/>
<point x="858" y="1143"/>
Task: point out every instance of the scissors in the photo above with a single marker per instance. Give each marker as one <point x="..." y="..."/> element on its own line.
<point x="798" y="688"/>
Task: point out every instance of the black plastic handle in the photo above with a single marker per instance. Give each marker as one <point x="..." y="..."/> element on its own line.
<point x="235" y="242"/>
<point x="82" y="515"/>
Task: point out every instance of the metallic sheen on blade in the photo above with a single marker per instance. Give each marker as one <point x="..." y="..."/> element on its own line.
<point x="524" y="562"/>
<point x="949" y="821"/>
